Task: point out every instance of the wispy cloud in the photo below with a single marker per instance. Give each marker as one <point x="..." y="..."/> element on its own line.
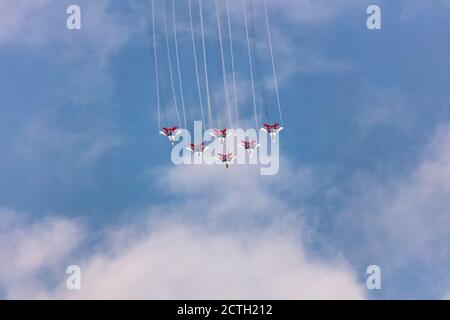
<point x="415" y="8"/>
<point x="402" y="221"/>
<point x="21" y="21"/>
<point x="41" y="141"/>
<point x="29" y="248"/>
<point x="384" y="107"/>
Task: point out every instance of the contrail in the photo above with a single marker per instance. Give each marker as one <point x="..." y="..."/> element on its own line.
<point x="178" y="63"/>
<point x="275" y="78"/>
<point x="224" y="71"/>
<point x="205" y="63"/>
<point x="230" y="35"/>
<point x="196" y="65"/>
<point x="250" y="62"/>
<point x="158" y="98"/>
<point x="170" y="65"/>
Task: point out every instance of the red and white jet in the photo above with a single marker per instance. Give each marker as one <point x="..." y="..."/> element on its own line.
<point x="225" y="158"/>
<point x="220" y="134"/>
<point x="197" y="148"/>
<point x="249" y="146"/>
<point x="170" y="133"/>
<point x="273" y="130"/>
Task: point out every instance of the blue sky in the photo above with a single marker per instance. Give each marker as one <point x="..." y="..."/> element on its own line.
<point x="88" y="180"/>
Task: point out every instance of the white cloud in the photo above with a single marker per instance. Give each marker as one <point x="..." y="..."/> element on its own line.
<point x="208" y="244"/>
<point x="186" y="262"/>
<point x="233" y="235"/>
<point x="178" y="261"/>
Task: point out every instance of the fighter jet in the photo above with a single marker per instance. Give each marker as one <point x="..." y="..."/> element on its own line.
<point x="170" y="133"/>
<point x="225" y="158"/>
<point x="220" y="134"/>
<point x="197" y="148"/>
<point x="273" y="130"/>
<point x="249" y="146"/>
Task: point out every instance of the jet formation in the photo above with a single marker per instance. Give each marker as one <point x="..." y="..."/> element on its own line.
<point x="249" y="146"/>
